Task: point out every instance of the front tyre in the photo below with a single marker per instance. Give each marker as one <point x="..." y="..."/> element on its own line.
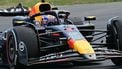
<point x="17" y="38"/>
<point x="115" y="38"/>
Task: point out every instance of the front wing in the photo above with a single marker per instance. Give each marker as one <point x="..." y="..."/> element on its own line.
<point x="71" y="55"/>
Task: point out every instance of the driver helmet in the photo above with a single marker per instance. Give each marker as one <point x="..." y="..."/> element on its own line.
<point x="48" y="19"/>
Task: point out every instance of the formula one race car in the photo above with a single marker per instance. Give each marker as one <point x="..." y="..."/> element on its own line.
<point x="59" y="40"/>
<point x="14" y="11"/>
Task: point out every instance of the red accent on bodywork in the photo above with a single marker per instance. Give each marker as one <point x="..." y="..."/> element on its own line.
<point x="71" y="43"/>
<point x="55" y="34"/>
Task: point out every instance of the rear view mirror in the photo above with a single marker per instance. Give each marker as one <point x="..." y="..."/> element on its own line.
<point x="89" y="18"/>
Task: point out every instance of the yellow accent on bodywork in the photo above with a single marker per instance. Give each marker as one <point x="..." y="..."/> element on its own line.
<point x="39" y="18"/>
<point x="83" y="47"/>
<point x="20" y="22"/>
<point x="36" y="10"/>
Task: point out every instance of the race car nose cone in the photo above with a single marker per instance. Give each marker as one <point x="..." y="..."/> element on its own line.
<point x="82" y="47"/>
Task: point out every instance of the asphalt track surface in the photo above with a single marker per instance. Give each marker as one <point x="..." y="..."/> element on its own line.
<point x="103" y="12"/>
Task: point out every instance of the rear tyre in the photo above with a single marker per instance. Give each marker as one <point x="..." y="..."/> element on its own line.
<point x="19" y="35"/>
<point x="115" y="37"/>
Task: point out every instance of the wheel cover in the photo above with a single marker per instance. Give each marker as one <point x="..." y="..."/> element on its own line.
<point x="11" y="49"/>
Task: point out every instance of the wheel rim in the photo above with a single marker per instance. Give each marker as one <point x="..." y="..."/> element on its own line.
<point x="11" y="49"/>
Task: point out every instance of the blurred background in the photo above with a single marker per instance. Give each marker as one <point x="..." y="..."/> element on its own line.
<point x="29" y="3"/>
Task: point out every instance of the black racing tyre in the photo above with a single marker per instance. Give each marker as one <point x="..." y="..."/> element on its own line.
<point x="115" y="38"/>
<point x="19" y="35"/>
<point x="29" y="38"/>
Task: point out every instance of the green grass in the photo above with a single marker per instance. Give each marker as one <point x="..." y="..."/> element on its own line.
<point x="56" y="2"/>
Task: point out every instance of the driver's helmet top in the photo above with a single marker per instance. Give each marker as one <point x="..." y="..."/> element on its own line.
<point x="47" y="19"/>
